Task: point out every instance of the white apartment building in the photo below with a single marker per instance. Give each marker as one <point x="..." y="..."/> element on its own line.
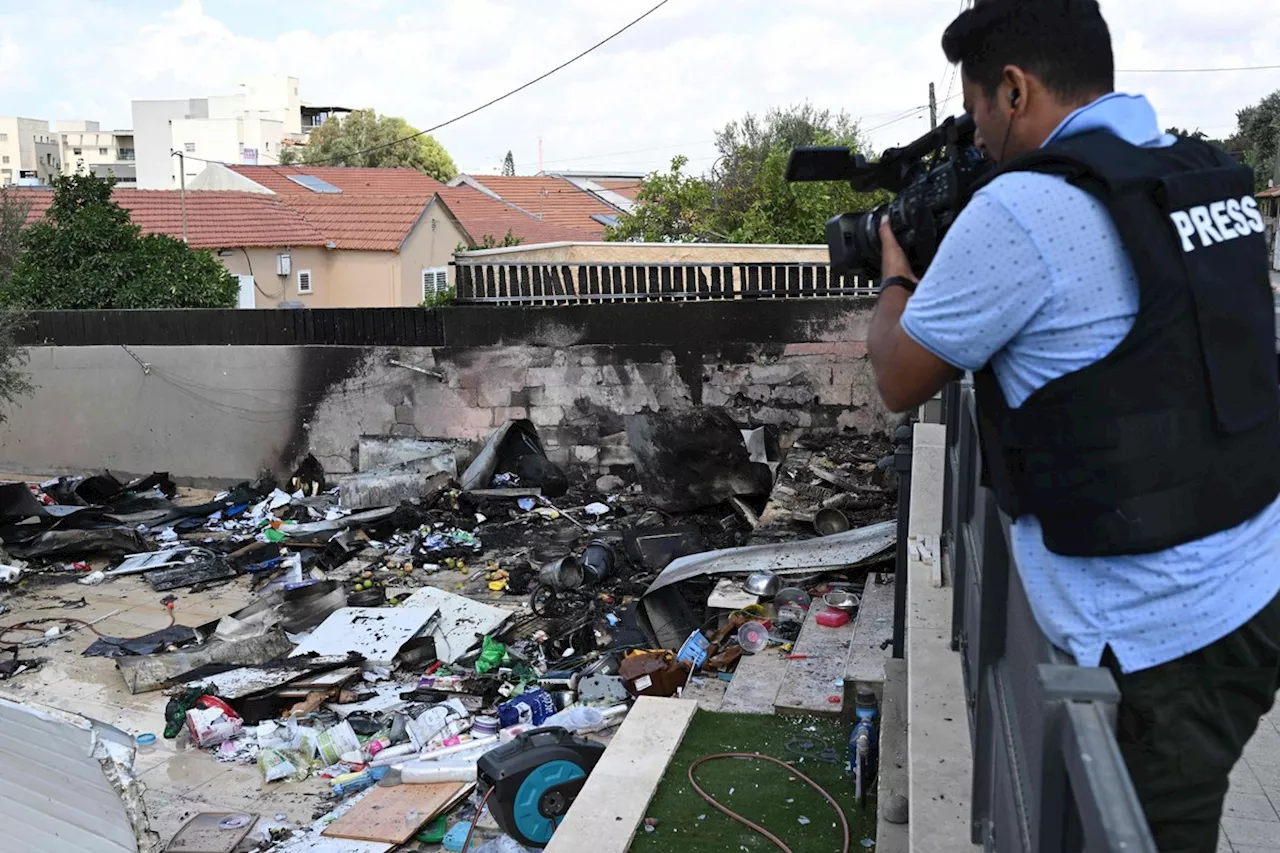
<point x="105" y="153"/>
<point x="29" y="153"/>
<point x="246" y="128"/>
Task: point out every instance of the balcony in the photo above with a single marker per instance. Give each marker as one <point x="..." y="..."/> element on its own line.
<point x="563" y="274"/>
<point x="1045" y="773"/>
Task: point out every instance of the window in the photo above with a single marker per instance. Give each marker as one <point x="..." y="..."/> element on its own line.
<point x="304" y="281"/>
<point x="75" y="151"/>
<point x="189" y="146"/>
<point x="4" y="137"/>
<point x="102" y="152"/>
<point x="434" y="280"/>
<point x="6" y="159"/>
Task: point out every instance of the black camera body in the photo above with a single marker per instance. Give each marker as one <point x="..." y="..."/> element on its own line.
<point x="933" y="177"/>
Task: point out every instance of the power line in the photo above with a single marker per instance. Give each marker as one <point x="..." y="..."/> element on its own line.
<point x="502" y="97"/>
<point x="1195" y="70"/>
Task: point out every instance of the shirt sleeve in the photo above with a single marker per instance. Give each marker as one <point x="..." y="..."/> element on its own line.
<point x="984" y="286"/>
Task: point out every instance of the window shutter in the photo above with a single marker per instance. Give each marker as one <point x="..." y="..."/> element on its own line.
<point x="304" y="281"/>
<point x="434" y="281"/>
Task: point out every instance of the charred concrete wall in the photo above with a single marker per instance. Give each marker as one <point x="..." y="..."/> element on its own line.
<point x="213" y="414"/>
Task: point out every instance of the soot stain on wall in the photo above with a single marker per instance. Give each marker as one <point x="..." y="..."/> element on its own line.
<point x="320" y="371"/>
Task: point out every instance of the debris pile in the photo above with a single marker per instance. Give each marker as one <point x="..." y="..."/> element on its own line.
<point x="419" y="631"/>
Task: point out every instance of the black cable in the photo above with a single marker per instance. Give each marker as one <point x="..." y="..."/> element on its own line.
<point x="502" y="97"/>
<point x="1195" y="70"/>
<point x="249" y="262"/>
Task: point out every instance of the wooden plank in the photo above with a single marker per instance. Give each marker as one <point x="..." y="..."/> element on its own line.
<point x="382" y="814"/>
<point x="811" y="682"/>
<point x="608" y="811"/>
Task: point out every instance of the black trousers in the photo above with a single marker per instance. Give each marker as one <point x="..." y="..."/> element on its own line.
<point x="1183" y="725"/>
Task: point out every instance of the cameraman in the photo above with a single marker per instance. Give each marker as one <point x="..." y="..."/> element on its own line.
<point x="1109" y="290"/>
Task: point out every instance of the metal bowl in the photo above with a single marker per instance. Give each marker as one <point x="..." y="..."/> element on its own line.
<point x="763" y="584"/>
<point x="830" y="521"/>
<point x="841" y="600"/>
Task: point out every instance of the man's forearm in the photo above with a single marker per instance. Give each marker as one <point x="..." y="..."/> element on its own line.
<point x="884" y="325"/>
<point x="906" y="373"/>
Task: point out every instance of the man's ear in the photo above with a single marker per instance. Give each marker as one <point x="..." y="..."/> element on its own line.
<point x="1014" y="89"/>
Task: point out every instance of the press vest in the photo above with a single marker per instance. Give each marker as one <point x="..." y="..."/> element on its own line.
<point x="1175" y="435"/>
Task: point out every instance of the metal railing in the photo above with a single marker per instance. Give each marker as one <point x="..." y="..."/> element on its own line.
<point x="1048" y="776"/>
<point x="559" y="283"/>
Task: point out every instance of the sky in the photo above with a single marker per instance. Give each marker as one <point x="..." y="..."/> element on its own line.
<point x="662" y="88"/>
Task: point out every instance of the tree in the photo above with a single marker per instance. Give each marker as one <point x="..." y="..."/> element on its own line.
<point x="745" y="198"/>
<point x="13" y="379"/>
<point x="1258" y="136"/>
<point x="13" y="218"/>
<point x="13" y="358"/>
<point x="364" y="138"/>
<point x="86" y="253"/>
<point x="508" y="166"/>
<point x="670" y="207"/>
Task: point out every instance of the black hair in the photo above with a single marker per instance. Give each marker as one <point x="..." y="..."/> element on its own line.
<point x="1065" y="43"/>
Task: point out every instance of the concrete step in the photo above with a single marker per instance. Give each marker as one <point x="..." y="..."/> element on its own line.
<point x="755" y="684"/>
<point x="813" y="685"/>
<point x="873" y="625"/>
<point x="892" y="786"/>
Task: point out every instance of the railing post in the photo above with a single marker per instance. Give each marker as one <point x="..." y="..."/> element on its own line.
<point x="902" y="464"/>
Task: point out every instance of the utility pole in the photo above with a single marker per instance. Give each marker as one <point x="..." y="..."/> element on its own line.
<point x="933" y="108"/>
<point x="182" y="178"/>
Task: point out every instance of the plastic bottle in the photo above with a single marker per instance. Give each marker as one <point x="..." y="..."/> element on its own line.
<point x="366" y="779"/>
<point x="429" y="772"/>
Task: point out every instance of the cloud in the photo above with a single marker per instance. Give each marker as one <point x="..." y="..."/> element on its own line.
<point x="660" y="89"/>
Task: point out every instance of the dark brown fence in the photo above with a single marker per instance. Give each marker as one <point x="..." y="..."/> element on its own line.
<point x="333" y="326"/>
<point x="682" y="325"/>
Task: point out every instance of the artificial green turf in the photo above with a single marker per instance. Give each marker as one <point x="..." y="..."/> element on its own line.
<point x="762" y="791"/>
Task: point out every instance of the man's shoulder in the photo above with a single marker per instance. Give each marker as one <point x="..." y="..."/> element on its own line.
<point x="1050" y="211"/>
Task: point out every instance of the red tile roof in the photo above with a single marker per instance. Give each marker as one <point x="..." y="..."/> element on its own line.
<point x="553" y="200"/>
<point x="1270" y="192"/>
<point x="481" y="215"/>
<point x="367" y="222"/>
<point x="627" y="189"/>
<point x="215" y="220"/>
<point x="351" y="180"/>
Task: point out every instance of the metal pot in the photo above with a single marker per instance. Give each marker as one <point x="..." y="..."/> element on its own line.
<point x="763" y="584"/>
<point x="830" y="521"/>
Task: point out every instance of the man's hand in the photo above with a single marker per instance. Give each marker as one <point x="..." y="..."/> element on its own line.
<point x="907" y="374"/>
<point x="893" y="260"/>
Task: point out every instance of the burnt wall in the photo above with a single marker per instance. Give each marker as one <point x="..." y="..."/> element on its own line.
<point x="213" y="413"/>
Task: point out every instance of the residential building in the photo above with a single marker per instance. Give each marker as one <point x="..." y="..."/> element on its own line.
<point x="250" y="126"/>
<point x="105" y="153"/>
<point x="475" y="215"/>
<point x="587" y="201"/>
<point x="29" y="152"/>
<point x="327" y="249"/>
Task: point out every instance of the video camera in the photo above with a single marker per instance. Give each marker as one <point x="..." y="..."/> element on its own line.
<point x="933" y="178"/>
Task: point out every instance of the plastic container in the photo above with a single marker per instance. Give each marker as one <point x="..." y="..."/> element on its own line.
<point x="753" y="637"/>
<point x="146" y="742"/>
<point x="833" y="617"/>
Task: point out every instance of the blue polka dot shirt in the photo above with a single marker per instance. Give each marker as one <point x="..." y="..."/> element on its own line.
<point x="1033" y="278"/>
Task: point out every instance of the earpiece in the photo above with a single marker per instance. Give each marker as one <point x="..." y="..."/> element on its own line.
<point x="1015" y="97"/>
